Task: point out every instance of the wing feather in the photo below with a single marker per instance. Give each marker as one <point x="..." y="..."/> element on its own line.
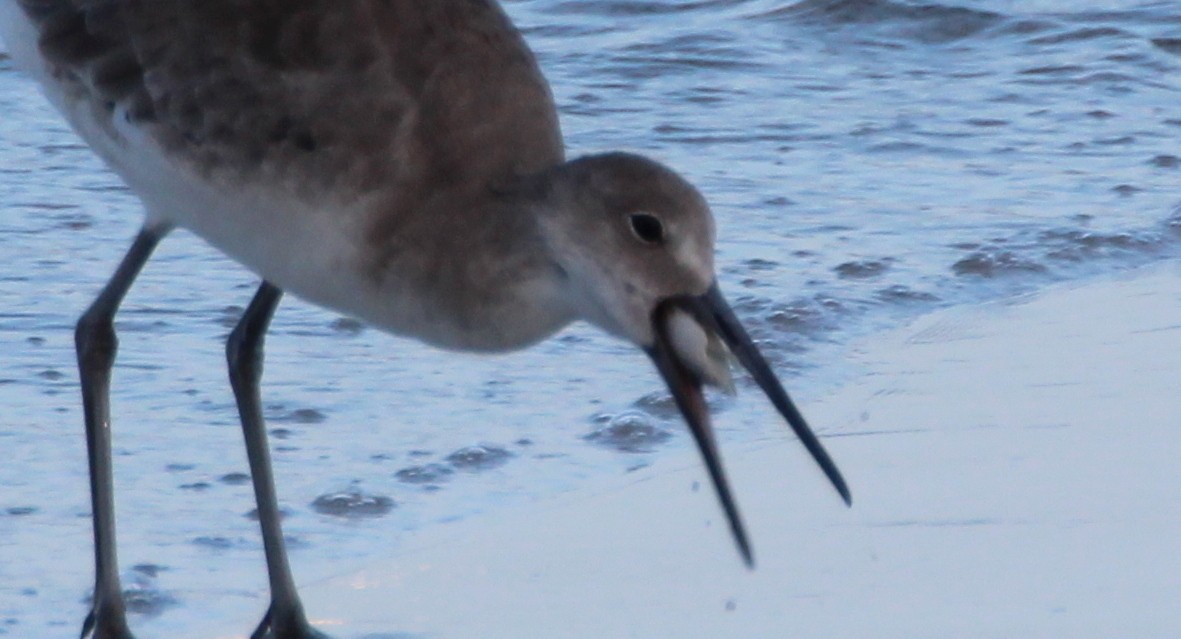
<point x="341" y="96"/>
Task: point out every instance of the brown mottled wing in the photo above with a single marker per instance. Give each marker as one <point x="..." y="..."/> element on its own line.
<point x="326" y="95"/>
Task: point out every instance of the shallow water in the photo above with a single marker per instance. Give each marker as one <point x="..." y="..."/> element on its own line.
<point x="867" y="161"/>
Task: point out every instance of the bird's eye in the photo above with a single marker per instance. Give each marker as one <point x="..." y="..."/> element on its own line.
<point x="647" y="227"/>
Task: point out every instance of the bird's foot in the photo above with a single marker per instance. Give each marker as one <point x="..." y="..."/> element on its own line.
<point x="291" y="624"/>
<point x="105" y="622"/>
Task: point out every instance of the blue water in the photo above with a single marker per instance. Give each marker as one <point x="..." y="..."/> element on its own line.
<point x="868" y="161"/>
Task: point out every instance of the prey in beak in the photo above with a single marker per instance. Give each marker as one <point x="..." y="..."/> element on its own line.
<point x="695" y="338"/>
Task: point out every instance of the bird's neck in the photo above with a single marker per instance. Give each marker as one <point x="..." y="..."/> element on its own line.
<point x="471" y="275"/>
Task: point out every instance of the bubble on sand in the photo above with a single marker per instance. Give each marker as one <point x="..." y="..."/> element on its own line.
<point x="659" y="404"/>
<point x="216" y="542"/>
<point x="149" y="570"/>
<point x="253" y="514"/>
<point x="629" y="432"/>
<point x="352" y="505"/>
<point x="235" y="479"/>
<point x="992" y="263"/>
<point x="480" y="457"/>
<point x="141" y="595"/>
<point x="347" y="326"/>
<point x="862" y="269"/>
<point x="425" y="474"/>
<point x="146" y="599"/>
<point x="900" y="294"/>
<point x="1165" y="161"/>
<point x="306" y="416"/>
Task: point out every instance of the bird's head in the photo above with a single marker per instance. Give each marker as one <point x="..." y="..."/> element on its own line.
<point x="635" y="242"/>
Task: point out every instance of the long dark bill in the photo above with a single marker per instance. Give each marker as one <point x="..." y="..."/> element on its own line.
<point x="736" y="338"/>
<point x="686" y="391"/>
<point x="714" y="314"/>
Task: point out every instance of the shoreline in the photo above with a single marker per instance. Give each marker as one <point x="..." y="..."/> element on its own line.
<point x="1014" y="473"/>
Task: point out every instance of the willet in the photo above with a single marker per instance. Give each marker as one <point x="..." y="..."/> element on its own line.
<point x="399" y="161"/>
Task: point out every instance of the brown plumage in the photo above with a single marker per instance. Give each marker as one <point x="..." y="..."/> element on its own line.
<point x="343" y="95"/>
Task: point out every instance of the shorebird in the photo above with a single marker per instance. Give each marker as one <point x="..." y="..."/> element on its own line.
<point x="399" y="161"/>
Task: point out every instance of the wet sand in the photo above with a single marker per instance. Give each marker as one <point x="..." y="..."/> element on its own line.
<point x="1015" y="474"/>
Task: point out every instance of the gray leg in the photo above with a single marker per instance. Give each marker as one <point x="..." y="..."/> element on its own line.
<point x="96" y="344"/>
<point x="244" y="351"/>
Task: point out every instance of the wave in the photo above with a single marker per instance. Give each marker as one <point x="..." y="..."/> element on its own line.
<point x="930" y="23"/>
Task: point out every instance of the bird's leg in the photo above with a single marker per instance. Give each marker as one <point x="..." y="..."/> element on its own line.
<point x="95" y="341"/>
<point x="244" y="352"/>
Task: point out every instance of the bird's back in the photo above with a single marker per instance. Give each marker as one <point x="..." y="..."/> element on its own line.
<point x="337" y="96"/>
<point x="319" y="142"/>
